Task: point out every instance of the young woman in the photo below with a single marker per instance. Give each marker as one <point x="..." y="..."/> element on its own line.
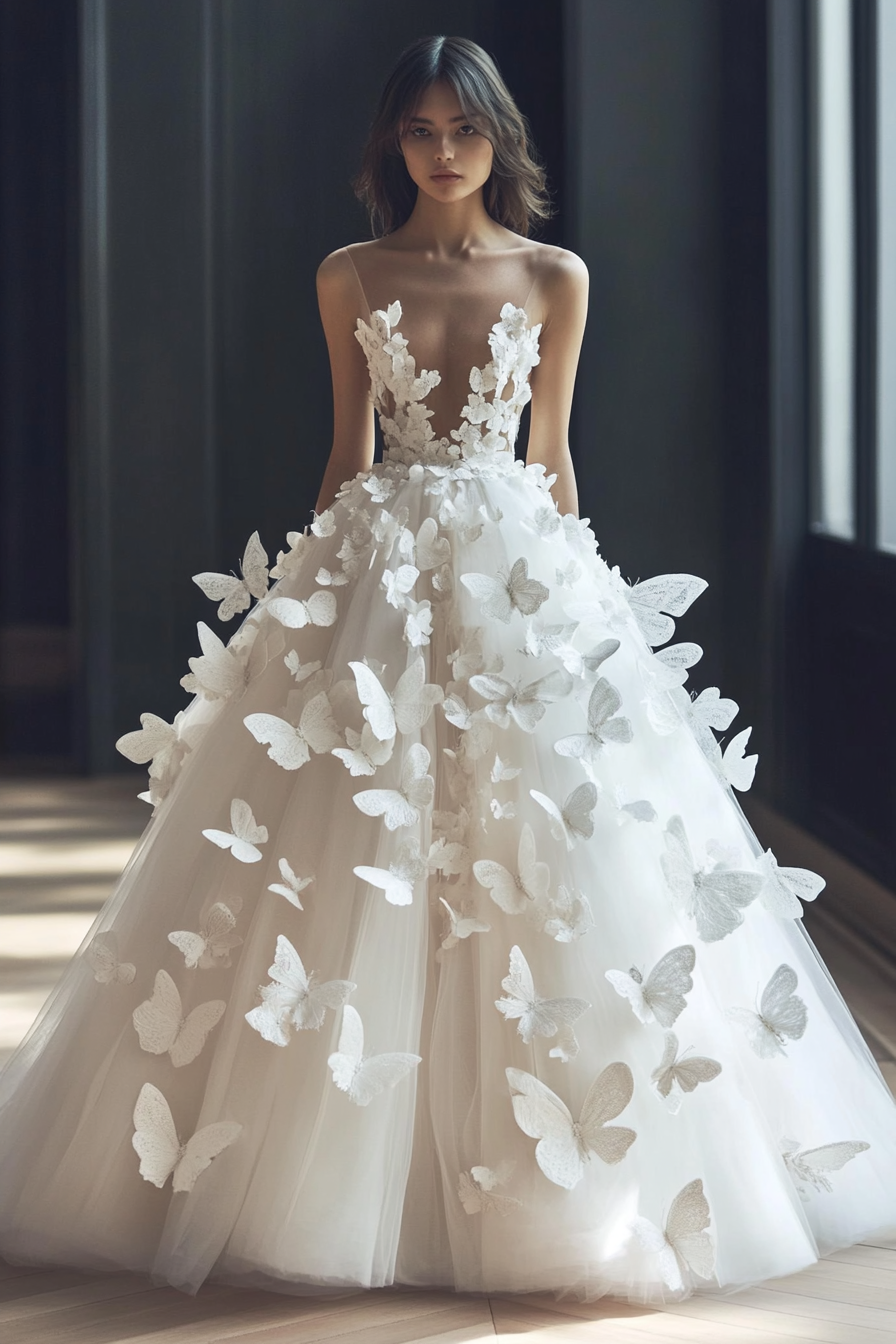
<point x="448" y="957"/>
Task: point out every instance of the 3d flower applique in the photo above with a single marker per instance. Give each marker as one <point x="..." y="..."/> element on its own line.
<point x="534" y="1015"/>
<point x="402" y="806"/>
<point x="102" y="956"/>
<point x="399" y="879"/>
<point x="162" y="1028"/>
<point x="380" y="488"/>
<point x="477" y="1190"/>
<point x="291" y="885"/>
<point x="683" y="1245"/>
<point x="157" y="1144"/>
<point x="565" y="1146"/>
<point x="363" y="752"/>
<point x="516" y="892"/>
<point x="525" y="705"/>
<point x="298" y="670"/>
<point x="309" y="727"/>
<point x="567" y="916"/>
<point x="572" y="820"/>
<point x="784" y="888"/>
<point x="365" y="1077"/>
<point x="660" y="997"/>
<point x="605" y="725"/>
<point x="296" y="613"/>
<point x="679" y="1073"/>
<point x="408" y="707"/>
<point x="235" y="594"/>
<point x="781" y="1015"/>
<point x="244" y="837"/>
<point x="811" y="1166"/>
<point x="514" y="591"/>
<point x="670" y="593"/>
<point x="295" y="997"/>
<point x="461" y="925"/>
<point x="715" y="897"/>
<point x="210" y="948"/>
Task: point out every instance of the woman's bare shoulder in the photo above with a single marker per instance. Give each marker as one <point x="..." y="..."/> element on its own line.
<point x="556" y="268"/>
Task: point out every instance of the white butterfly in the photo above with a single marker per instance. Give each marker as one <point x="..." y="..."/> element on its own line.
<point x="684" y="1244"/>
<point x="417" y="623"/>
<point x="808" y="1166"/>
<point x="785" y="887"/>
<point x="603" y="725"/>
<point x="569" y="575"/>
<point x="210" y="948"/>
<point x="673" y="663"/>
<point x="295" y="998"/>
<point x="714" y="898"/>
<point x="406" y="709"/>
<point x="330" y="579"/>
<point x="291" y="885"/>
<point x="363" y="1079"/>
<point x="525" y="705"/>
<point x="686" y="1071"/>
<point x="476" y="1190"/>
<point x="738" y="769"/>
<point x="379" y="487"/>
<point x="300" y="671"/>
<point x="511" y="592"/>
<point x="566" y="1145"/>
<point x="399" y="879"/>
<point x="568" y="916"/>
<point x="160" y="1150"/>
<point x="291" y="744"/>
<point x="443" y="583"/>
<point x="163" y="1029"/>
<point x="428" y="550"/>
<point x="641" y="809"/>
<point x="289" y="562"/>
<point x="387" y="528"/>
<point x="221" y="670"/>
<point x="781" y="1014"/>
<point x="235" y="594"/>
<point x="245" y="836"/>
<point x="709" y="710"/>
<point x="477" y="733"/>
<point x="448" y="857"/>
<point x="501" y="771"/>
<point x="575" y="819"/>
<point x="158" y="742"/>
<point x="103" y="957"/>
<point x="502" y="811"/>
<point x="318" y="609"/>
<point x="542" y="639"/>
<point x="468" y="658"/>
<point x="363" y="752"/>
<point x="661" y="997"/>
<point x="324" y="524"/>
<point x="515" y="892"/>
<point x="536" y="1016"/>
<point x="461" y="926"/>
<point x="672" y="593"/>
<point x="402" y="806"/>
<point x="398" y="583"/>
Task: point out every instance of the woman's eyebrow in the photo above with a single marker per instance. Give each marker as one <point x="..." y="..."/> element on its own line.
<point x="425" y="121"/>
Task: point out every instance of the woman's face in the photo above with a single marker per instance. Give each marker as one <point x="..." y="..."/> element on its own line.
<point x="446" y="156"/>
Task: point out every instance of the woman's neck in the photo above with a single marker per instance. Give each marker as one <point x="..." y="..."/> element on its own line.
<point x="450" y="231"/>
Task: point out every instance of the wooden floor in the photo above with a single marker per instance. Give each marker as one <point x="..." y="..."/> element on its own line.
<point x="62" y="844"/>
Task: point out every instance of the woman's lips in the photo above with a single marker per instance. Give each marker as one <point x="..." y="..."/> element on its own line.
<point x="445" y="177"/>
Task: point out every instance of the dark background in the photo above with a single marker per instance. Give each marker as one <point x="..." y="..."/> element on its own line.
<point x="174" y="170"/>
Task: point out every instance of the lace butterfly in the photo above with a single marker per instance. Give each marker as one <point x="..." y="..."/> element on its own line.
<point x="661" y="997"/>
<point x="683" y="1244"/>
<point x="402" y="806"/>
<point x="295" y="998"/>
<point x="565" y="1146"/>
<point x="364" y="1078"/>
<point x="235" y="594"/>
<point x="157" y="1144"/>
<point x="163" y="1029"/>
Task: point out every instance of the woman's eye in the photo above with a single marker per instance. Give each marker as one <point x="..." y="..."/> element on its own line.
<point x="467" y="130"/>
<point x="419" y="132"/>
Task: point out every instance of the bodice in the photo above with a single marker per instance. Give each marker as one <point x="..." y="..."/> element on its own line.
<point x="489" y="421"/>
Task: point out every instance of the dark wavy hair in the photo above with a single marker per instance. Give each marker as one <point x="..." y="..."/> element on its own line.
<point x="515" y="194"/>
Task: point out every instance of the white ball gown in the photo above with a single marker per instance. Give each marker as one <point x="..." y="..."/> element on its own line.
<point x="448" y="957"/>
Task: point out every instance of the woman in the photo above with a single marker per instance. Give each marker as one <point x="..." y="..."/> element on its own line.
<point x="535" y="1010"/>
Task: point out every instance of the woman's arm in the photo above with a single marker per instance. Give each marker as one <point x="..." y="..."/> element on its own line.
<point x="352" y="451"/>
<point x="565" y="290"/>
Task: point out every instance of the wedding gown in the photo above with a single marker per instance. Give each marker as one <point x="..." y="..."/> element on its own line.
<point x="448" y="957"/>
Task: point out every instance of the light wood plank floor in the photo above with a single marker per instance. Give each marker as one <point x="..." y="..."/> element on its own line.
<point x="62" y="843"/>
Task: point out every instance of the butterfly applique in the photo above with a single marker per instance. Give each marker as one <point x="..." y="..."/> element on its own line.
<point x="235" y="594"/>
<point x="781" y="1015"/>
<point x="163" y="1029"/>
<point x="295" y="998"/>
<point x="244" y="837"/>
<point x="461" y="925"/>
<point x="682" y="1071"/>
<point x="291" y="743"/>
<point x="364" y="1078"/>
<point x="476" y="1190"/>
<point x="661" y="997"/>
<point x="399" y="879"/>
<point x="157" y="1144"/>
<point x="713" y="898"/>
<point x="406" y="709"/>
<point x="402" y="806"/>
<point x="534" y="1015"/>
<point x="210" y="948"/>
<point x="507" y="593"/>
<point x="810" y="1166"/>
<point x="683" y="1245"/>
<point x="605" y="725"/>
<point x="565" y="1146"/>
<point x="524" y="705"/>
<point x="572" y="820"/>
<point x="102" y="954"/>
<point x="516" y="892"/>
<point x="291" y="885"/>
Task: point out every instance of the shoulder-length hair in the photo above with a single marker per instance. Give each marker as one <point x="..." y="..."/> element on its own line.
<point x="515" y="194"/>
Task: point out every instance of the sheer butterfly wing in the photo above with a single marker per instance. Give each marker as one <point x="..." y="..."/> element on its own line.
<point x="672" y="593"/>
<point x="738" y="769"/>
<point x="812" y="1164"/>
<point x="541" y="1114"/>
<point x="536" y="1016"/>
<point x="378" y="1073"/>
<point x="310" y="1011"/>
<point x="526" y="594"/>
<point x="575" y="820"/>
<point x="430" y="550"/>
<point x="155" y="1138"/>
<point x="785" y="887"/>
<point x="395" y="809"/>
<point x="291" y="884"/>
<point x="201" y="1150"/>
<point x="157" y="1020"/>
<point x="720" y="897"/>
<point x="364" y="753"/>
<point x="687" y="1072"/>
<point x="103" y="957"/>
<point x="781" y="1008"/>
<point x="653" y="1239"/>
<point x="607" y="1096"/>
<point x="501" y="771"/>
<point x="627" y="987"/>
<point x="534" y="875"/>
<point x="493" y="595"/>
<point x="345" y="1060"/>
<point x="664" y="1075"/>
<point x="761" y="1040"/>
<point x="688" y="1218"/>
<point x="667" y="984"/>
<point x="501" y="886"/>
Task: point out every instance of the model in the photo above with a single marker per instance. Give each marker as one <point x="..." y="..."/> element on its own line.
<point x="448" y="957"/>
